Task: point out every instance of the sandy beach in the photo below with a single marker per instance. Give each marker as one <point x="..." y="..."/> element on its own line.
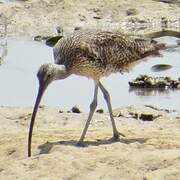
<point x="150" y="149"/>
<point x="24" y="18"/>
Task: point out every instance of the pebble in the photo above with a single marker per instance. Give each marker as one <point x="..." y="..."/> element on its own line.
<point x="168" y="1"/>
<point x="53" y="40"/>
<point x="41" y="38"/>
<point x="146" y="117"/>
<point x="131" y="12"/>
<point x="77" y="28"/>
<point x="75" y="109"/>
<point x="61" y="111"/>
<point x="100" y="111"/>
<point x="59" y="30"/>
<point x="97" y="17"/>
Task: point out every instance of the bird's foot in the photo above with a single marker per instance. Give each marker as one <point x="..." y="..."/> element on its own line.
<point x="116" y="136"/>
<point x="121" y="134"/>
<point x="80" y="144"/>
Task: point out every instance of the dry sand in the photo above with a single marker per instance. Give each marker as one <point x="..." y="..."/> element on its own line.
<point x="41" y="17"/>
<point x="150" y="150"/>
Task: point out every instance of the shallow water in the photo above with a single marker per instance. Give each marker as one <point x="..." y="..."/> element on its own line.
<point x="19" y="84"/>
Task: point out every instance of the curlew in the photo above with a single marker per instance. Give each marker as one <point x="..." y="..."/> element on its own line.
<point x="93" y="54"/>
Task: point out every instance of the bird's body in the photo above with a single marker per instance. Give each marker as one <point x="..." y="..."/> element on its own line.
<point x="99" y="53"/>
<point x="93" y="54"/>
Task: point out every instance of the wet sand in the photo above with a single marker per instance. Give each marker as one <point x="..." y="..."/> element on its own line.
<point x="150" y="150"/>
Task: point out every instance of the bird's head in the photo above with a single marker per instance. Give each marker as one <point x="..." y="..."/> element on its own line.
<point x="50" y="72"/>
<point x="46" y="74"/>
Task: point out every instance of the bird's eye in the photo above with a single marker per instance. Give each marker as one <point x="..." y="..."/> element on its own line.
<point x="49" y="75"/>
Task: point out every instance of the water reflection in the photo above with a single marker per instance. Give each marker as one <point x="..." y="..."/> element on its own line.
<point x="150" y="91"/>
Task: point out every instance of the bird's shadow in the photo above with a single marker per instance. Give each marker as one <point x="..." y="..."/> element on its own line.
<point x="46" y="147"/>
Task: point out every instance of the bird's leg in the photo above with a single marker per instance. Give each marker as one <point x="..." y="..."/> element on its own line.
<point x="93" y="106"/>
<point x="108" y="101"/>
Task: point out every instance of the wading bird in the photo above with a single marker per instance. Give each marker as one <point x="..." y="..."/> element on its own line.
<point x="93" y="54"/>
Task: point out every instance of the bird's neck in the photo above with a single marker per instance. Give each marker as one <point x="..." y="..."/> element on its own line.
<point x="60" y="72"/>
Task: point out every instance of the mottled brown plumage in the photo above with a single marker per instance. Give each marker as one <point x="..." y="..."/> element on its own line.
<point x="92" y="54"/>
<point x="96" y="53"/>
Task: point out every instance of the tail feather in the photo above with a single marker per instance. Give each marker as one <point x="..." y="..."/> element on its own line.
<point x="154" y="49"/>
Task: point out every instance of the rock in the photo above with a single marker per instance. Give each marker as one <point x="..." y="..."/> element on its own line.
<point x="53" y="40"/>
<point x="75" y="109"/>
<point x="50" y="41"/>
<point x="100" y="111"/>
<point x="77" y="28"/>
<point x="82" y="17"/>
<point x="142" y="77"/>
<point x="41" y="38"/>
<point x="174" y="84"/>
<point x="161" y="84"/>
<point x="178" y="42"/>
<point x="133" y="115"/>
<point x="97" y="17"/>
<point x="160" y="67"/>
<point x="61" y="111"/>
<point x="96" y="10"/>
<point x="168" y="1"/>
<point x="178" y="86"/>
<point x="142" y="21"/>
<point x="144" y="81"/>
<point x="146" y="117"/>
<point x="148" y="113"/>
<point x="131" y="12"/>
<point x="59" y="30"/>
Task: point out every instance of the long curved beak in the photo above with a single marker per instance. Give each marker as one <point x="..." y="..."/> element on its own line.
<point x="42" y="88"/>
